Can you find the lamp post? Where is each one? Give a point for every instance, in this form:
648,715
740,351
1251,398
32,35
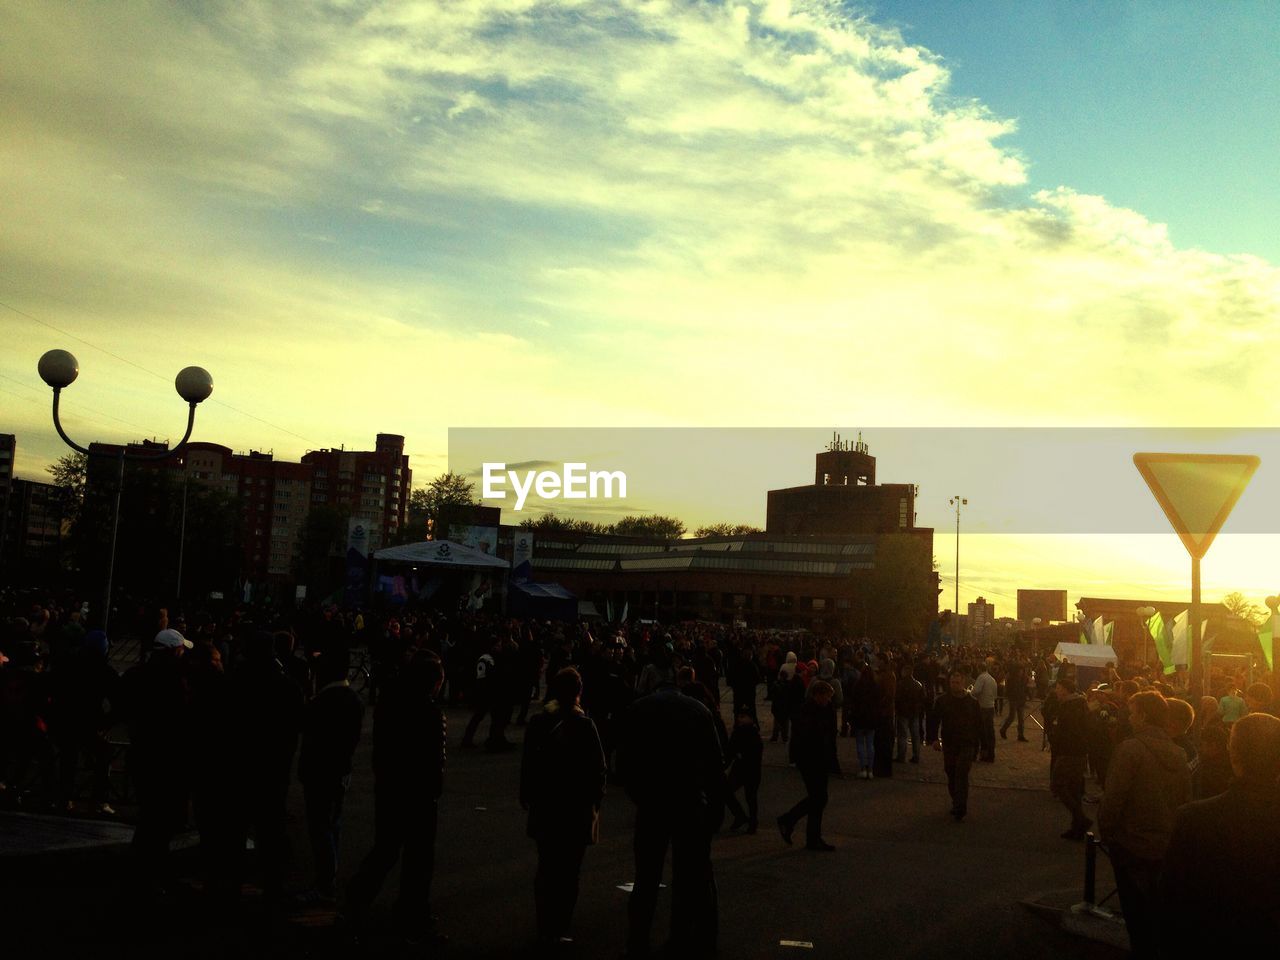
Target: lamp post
958,502
59,370
1144,615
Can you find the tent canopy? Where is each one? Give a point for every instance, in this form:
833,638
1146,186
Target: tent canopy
1086,654
441,553
542,600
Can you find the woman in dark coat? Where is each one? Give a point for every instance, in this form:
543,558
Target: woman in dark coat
562,779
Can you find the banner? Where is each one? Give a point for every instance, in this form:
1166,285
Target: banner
522,556
357,557
484,539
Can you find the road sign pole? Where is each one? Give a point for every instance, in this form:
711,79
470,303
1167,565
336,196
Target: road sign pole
1199,680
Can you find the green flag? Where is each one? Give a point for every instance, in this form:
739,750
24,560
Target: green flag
1264,637
1164,645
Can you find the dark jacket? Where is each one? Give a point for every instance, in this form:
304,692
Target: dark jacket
1221,864
813,738
408,740
910,697
562,774
669,755
959,723
1069,728
330,731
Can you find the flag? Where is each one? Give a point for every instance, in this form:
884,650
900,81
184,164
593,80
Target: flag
1160,635
1181,648
1264,638
1108,632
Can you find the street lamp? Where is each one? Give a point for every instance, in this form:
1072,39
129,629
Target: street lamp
1145,614
59,370
958,502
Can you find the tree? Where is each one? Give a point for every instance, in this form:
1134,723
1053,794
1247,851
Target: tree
726,530
899,592
428,504
1246,610
324,535
69,472
550,523
654,525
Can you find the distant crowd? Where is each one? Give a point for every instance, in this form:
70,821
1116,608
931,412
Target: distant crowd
218,715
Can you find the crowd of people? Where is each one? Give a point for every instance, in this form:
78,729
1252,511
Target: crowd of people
223,712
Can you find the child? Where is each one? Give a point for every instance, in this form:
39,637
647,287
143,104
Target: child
745,751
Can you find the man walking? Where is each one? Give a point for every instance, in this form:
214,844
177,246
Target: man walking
1015,689
959,724
814,743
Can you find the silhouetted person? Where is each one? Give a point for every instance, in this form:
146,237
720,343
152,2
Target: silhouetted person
266,718
562,779
213,792
670,763
960,728
155,696
408,772
1069,742
813,741
82,683
330,731
1220,886
746,754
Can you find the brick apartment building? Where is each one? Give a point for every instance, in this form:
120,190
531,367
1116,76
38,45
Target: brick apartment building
275,496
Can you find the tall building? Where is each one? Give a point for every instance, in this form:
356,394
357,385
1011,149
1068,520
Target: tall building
275,496
981,616
373,484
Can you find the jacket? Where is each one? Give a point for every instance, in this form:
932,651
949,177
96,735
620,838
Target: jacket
1147,780
959,723
1069,727
562,774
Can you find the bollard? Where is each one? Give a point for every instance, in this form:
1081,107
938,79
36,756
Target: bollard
1090,868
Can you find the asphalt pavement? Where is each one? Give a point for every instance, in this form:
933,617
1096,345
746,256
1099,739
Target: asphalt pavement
905,880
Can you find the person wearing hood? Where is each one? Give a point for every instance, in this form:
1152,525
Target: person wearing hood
562,782
1147,781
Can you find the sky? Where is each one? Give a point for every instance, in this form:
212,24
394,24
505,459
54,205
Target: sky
368,217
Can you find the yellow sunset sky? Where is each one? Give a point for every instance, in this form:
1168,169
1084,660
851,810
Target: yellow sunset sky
407,217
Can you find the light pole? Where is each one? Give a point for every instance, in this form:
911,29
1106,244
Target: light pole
1145,614
958,502
59,370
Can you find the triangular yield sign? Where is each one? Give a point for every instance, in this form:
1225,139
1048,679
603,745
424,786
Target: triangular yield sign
1197,491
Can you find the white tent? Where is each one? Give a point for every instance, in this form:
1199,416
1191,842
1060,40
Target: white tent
1085,654
441,553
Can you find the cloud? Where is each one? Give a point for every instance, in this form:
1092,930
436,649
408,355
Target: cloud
637,213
